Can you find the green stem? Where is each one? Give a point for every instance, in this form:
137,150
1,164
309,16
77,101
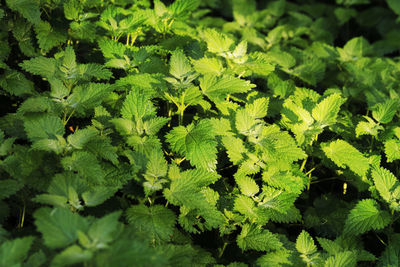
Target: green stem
222,249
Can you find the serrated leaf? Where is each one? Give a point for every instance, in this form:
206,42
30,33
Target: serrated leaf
234,148
258,109
29,9
14,252
217,42
275,259
48,37
45,67
85,164
345,155
384,112
9,187
217,88
385,182
326,111
196,142
257,239
136,106
305,244
44,127
156,221
392,150
179,64
369,127
391,255
246,206
247,185
345,258
59,226
365,216
98,195
207,65
81,137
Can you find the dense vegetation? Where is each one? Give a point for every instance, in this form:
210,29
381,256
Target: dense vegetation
199,133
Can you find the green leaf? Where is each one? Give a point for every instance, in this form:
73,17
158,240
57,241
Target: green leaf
257,239
48,37
345,258
385,182
208,65
258,109
14,252
87,97
196,142
275,259
369,127
9,187
217,42
355,49
246,206
247,185
394,5
15,83
45,67
219,88
81,137
235,148
157,221
384,112
97,195
326,111
345,155
44,127
59,226
104,230
391,256
392,150
71,255
305,244
29,9
365,216
136,106
85,164
179,64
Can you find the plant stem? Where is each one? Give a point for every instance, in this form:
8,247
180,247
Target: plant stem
222,249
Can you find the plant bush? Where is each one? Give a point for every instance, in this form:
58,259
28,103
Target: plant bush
199,133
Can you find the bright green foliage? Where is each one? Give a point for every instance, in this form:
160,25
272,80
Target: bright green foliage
306,247
257,239
199,133
196,142
346,258
365,216
345,155
157,221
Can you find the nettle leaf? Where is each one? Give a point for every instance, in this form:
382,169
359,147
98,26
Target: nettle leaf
345,155
276,258
29,9
14,252
44,127
345,258
208,65
365,216
179,64
391,255
217,42
86,97
386,183
136,106
81,137
59,226
384,112
234,148
392,150
48,37
217,88
305,244
105,230
86,164
43,66
156,222
196,142
326,111
247,185
258,239
9,187
369,127
72,255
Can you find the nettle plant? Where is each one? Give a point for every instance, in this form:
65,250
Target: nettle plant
199,133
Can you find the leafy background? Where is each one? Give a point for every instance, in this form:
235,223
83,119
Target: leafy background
195,133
